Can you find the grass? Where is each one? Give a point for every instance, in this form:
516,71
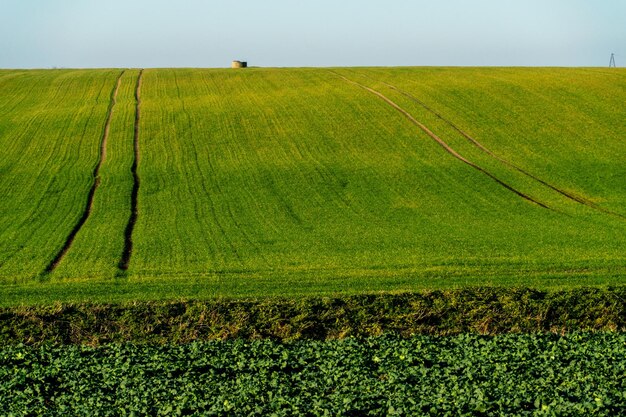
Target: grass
268,182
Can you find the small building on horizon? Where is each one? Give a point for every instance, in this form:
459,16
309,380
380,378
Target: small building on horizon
239,64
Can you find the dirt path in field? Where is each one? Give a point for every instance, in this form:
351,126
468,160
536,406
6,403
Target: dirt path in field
442,143
96,181
130,226
476,143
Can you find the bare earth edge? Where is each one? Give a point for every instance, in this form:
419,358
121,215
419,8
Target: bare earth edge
486,310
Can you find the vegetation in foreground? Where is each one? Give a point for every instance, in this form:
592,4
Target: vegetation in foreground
579,374
302,180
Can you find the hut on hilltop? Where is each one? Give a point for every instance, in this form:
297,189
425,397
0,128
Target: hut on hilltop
239,64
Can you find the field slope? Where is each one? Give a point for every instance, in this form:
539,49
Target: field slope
308,181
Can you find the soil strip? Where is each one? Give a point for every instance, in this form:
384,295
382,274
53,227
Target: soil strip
96,182
478,310
130,226
443,144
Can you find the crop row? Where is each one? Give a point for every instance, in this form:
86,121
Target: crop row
579,374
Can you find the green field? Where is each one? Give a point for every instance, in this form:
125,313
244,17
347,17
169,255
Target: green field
309,181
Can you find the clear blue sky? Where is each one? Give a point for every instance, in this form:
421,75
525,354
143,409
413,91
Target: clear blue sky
210,33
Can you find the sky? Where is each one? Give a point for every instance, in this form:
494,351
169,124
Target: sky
294,33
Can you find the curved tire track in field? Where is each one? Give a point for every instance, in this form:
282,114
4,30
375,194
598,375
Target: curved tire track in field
443,144
473,141
130,226
96,182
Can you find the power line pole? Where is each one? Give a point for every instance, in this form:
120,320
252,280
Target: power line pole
612,61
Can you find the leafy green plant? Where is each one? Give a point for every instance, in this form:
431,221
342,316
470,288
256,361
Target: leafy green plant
579,374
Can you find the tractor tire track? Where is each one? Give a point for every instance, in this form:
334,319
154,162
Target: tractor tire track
476,143
96,181
130,226
443,144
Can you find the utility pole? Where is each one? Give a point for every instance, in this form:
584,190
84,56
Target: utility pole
612,61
